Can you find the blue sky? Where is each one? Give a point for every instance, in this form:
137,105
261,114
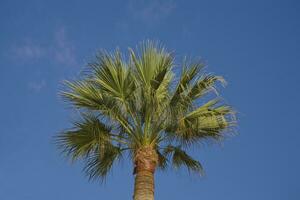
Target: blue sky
254,44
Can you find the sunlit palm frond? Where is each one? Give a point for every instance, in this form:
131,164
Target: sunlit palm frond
98,165
153,76
112,75
152,72
208,121
180,158
86,94
190,71
152,64
92,141
86,135
82,94
204,85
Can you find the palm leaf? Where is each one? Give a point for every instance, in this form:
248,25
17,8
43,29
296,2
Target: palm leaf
98,165
180,158
86,135
188,74
204,85
112,75
85,94
208,121
151,66
162,160
82,94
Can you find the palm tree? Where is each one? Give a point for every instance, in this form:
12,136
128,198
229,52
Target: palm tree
137,107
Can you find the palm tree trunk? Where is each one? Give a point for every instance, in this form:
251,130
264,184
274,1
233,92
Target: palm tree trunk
144,185
145,162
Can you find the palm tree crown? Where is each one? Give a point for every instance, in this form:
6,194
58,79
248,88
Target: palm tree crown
136,105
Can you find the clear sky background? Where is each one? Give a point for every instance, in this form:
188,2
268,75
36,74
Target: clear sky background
254,44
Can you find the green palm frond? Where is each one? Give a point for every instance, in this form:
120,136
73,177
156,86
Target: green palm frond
190,71
208,121
92,141
82,94
111,74
180,158
85,94
162,160
204,85
152,64
98,165
87,135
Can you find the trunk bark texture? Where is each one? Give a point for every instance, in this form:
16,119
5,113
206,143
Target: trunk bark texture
145,163
144,186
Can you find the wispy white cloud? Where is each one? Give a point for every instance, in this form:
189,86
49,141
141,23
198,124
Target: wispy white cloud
61,50
28,51
151,12
64,51
36,86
